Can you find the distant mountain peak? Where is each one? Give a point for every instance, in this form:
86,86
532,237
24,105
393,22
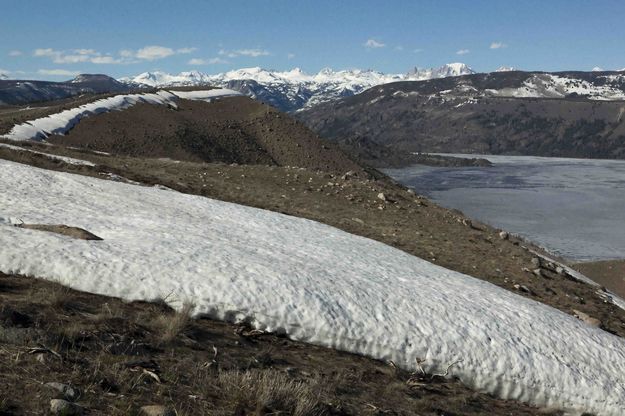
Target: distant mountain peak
505,69
454,69
295,89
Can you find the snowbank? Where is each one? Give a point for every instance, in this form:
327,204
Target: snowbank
64,121
314,282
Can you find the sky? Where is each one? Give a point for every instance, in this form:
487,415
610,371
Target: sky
44,39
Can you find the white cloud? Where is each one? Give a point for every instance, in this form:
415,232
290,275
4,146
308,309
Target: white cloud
212,61
372,43
290,56
399,48
462,52
58,72
498,45
15,53
154,52
186,50
125,56
417,50
254,53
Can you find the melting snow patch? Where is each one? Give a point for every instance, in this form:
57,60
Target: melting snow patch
64,121
314,282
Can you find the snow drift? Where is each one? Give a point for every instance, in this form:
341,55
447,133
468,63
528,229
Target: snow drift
64,121
314,282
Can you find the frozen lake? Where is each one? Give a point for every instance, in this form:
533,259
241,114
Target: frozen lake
573,207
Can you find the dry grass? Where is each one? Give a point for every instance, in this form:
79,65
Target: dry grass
172,325
271,392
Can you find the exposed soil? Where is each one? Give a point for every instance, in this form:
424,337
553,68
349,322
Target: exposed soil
73,232
610,273
120,356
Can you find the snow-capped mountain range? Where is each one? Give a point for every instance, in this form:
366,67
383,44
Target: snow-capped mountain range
295,89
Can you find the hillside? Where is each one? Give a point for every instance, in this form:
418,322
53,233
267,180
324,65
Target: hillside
568,114
260,261
17,92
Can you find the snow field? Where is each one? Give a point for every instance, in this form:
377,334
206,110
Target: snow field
314,282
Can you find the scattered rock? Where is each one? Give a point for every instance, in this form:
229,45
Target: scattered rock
11,317
560,270
65,408
348,175
504,235
538,272
535,262
524,289
382,197
587,318
68,392
156,410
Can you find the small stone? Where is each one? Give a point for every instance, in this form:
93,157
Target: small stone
382,196
68,392
65,408
504,235
587,318
156,410
538,272
560,270
348,175
535,262
523,288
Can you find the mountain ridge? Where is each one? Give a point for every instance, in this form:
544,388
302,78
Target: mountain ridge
294,89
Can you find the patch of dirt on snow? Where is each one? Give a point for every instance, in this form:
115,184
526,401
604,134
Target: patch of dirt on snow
73,232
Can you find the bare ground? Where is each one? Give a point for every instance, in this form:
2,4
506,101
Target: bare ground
609,273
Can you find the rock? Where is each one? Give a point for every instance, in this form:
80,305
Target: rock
523,288
348,175
382,196
65,408
560,270
535,262
538,272
156,410
68,392
11,317
587,318
503,235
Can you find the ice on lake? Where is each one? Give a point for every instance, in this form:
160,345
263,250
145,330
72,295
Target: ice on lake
573,207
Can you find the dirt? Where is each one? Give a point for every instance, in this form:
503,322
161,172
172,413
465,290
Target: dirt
73,232
114,355
609,273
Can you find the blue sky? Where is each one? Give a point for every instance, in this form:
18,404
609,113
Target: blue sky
44,39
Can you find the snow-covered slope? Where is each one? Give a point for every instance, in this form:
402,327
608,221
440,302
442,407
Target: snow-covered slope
295,89
449,70
314,282
64,121
604,87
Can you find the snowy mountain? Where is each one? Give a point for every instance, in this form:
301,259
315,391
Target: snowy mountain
505,69
294,90
448,70
3,76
